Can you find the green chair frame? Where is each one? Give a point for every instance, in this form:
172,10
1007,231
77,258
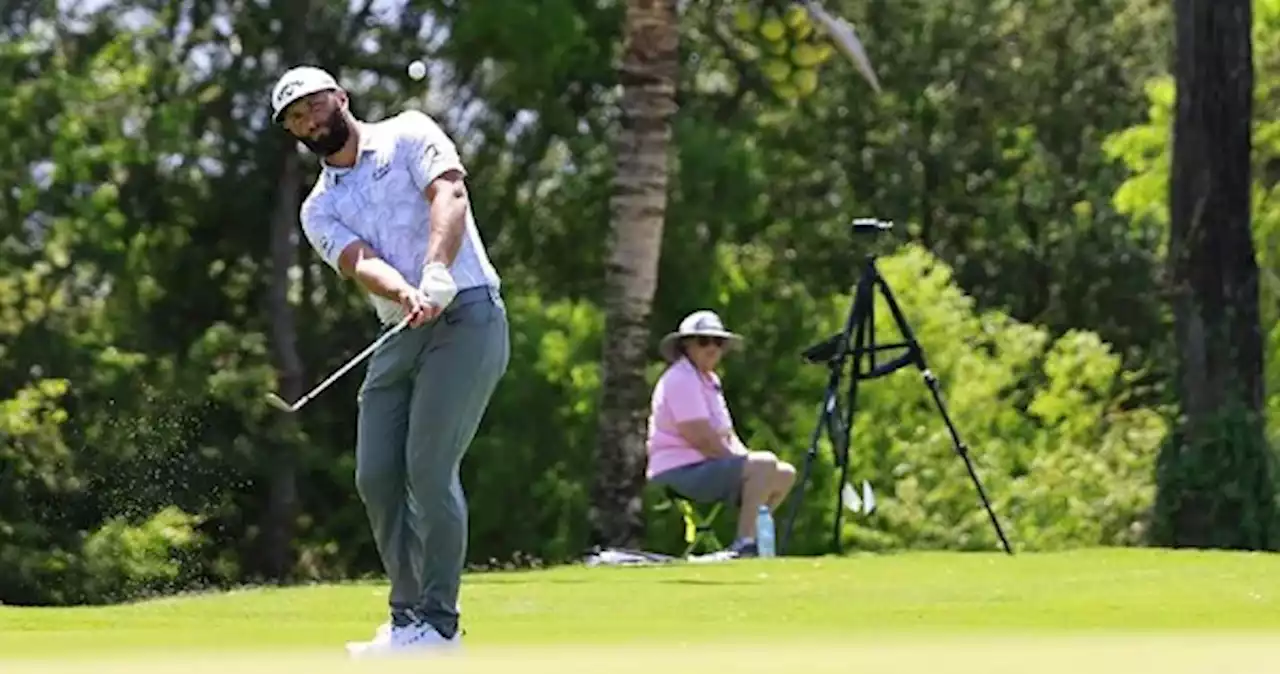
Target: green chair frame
699,522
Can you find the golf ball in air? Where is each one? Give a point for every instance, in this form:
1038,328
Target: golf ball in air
417,70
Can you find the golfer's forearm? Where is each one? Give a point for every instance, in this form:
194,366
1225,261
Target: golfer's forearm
371,272
380,278
448,219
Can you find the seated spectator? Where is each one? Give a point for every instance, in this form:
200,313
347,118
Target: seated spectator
692,445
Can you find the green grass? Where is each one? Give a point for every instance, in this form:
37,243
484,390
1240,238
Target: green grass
904,603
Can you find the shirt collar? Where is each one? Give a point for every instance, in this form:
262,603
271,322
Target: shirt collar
371,139
708,380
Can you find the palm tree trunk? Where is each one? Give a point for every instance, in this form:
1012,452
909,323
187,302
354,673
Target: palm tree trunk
648,77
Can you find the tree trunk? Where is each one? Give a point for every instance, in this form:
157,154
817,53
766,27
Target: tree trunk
1215,485
282,487
648,77
275,546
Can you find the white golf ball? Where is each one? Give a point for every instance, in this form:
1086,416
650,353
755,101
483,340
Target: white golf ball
417,70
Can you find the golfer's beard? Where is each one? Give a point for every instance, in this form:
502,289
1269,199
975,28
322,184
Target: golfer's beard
333,140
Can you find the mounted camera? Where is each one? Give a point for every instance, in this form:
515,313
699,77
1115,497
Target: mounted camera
870,226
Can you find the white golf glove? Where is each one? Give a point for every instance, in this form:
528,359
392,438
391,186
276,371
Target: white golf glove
438,285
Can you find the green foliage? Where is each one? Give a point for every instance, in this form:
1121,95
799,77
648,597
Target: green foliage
44,561
985,146
124,561
529,469
1218,480
38,476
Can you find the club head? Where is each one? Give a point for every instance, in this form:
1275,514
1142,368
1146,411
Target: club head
279,403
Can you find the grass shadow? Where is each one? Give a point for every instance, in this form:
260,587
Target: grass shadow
482,579
704,581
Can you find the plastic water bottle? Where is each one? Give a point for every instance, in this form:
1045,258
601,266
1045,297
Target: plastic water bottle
764,533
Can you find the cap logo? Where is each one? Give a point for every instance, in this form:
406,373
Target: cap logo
287,90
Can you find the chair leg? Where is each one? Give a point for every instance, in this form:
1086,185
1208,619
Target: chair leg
699,528
708,529
692,527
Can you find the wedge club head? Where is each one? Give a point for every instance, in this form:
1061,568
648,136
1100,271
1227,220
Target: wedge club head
279,403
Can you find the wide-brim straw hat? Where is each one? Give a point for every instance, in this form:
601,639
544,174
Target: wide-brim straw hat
701,323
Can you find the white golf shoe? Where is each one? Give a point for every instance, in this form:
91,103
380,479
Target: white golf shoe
389,640
405,641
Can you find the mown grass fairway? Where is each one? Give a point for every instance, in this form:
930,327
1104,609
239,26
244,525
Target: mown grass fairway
1098,610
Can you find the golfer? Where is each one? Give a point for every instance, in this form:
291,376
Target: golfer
390,211
692,445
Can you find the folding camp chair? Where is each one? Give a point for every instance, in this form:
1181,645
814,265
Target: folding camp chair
699,522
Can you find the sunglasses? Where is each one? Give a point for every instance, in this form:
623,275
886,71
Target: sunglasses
703,340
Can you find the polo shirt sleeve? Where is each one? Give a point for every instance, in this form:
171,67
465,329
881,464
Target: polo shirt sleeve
683,395
324,232
430,151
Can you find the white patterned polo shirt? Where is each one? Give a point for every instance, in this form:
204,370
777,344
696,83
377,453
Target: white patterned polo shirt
381,200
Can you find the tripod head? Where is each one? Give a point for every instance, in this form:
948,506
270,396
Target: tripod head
871,231
832,350
870,226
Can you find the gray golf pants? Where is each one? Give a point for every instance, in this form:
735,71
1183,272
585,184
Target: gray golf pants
423,396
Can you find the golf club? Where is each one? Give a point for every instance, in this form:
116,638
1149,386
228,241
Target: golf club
276,401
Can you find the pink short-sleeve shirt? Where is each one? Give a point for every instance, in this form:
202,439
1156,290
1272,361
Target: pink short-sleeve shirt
683,394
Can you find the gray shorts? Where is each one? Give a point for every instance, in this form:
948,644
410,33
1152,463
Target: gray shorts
707,481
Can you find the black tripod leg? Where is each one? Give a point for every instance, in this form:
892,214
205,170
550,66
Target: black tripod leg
863,342
830,414
828,408
931,382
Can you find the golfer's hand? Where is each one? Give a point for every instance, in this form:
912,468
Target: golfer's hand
438,287
414,304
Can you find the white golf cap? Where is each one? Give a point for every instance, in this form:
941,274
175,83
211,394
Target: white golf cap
296,83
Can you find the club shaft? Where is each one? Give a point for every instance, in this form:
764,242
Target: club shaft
352,363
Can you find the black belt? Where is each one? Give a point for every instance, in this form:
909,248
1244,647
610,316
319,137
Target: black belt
474,294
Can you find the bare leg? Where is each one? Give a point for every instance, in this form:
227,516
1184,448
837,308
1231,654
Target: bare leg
784,477
758,483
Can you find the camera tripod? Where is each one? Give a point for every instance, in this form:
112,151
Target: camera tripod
834,351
